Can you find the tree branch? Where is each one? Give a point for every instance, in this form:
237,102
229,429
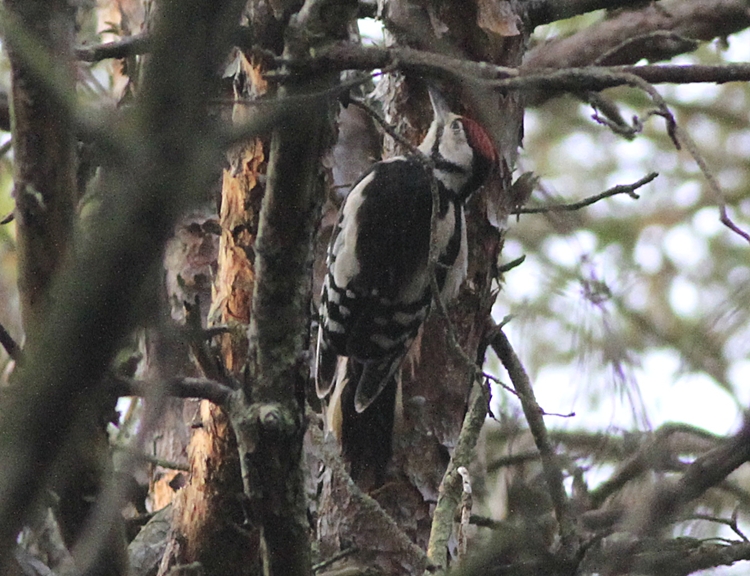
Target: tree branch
268,418
180,387
628,189
552,473
706,472
690,19
529,77
541,12
129,46
449,495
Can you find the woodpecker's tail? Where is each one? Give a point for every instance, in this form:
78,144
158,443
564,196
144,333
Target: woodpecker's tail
372,378
367,436
325,366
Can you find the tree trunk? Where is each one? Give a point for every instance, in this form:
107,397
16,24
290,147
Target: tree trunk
436,380
46,195
209,524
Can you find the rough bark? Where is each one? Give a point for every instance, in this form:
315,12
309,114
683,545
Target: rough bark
46,195
207,512
269,415
44,150
93,303
436,380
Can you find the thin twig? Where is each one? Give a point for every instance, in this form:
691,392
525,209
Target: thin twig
489,377
387,128
552,472
508,266
730,522
628,189
335,558
713,184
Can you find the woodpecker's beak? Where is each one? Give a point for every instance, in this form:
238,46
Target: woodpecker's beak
439,106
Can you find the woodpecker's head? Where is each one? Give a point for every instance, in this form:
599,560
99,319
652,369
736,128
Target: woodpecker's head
461,149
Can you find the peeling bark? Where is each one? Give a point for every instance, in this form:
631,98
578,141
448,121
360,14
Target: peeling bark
93,304
207,511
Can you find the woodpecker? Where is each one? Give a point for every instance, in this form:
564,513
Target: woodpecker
377,292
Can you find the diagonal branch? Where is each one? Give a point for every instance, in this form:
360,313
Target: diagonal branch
93,303
534,416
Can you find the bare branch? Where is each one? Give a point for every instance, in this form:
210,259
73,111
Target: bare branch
552,473
701,20
546,11
451,487
706,472
628,189
689,74
730,522
653,454
130,46
355,57
529,77
713,183
177,387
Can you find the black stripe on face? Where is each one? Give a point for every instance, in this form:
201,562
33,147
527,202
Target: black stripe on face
445,166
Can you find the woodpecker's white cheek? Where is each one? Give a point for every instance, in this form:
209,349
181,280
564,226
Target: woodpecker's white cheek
344,250
455,148
429,139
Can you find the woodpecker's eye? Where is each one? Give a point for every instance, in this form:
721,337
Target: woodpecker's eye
456,126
